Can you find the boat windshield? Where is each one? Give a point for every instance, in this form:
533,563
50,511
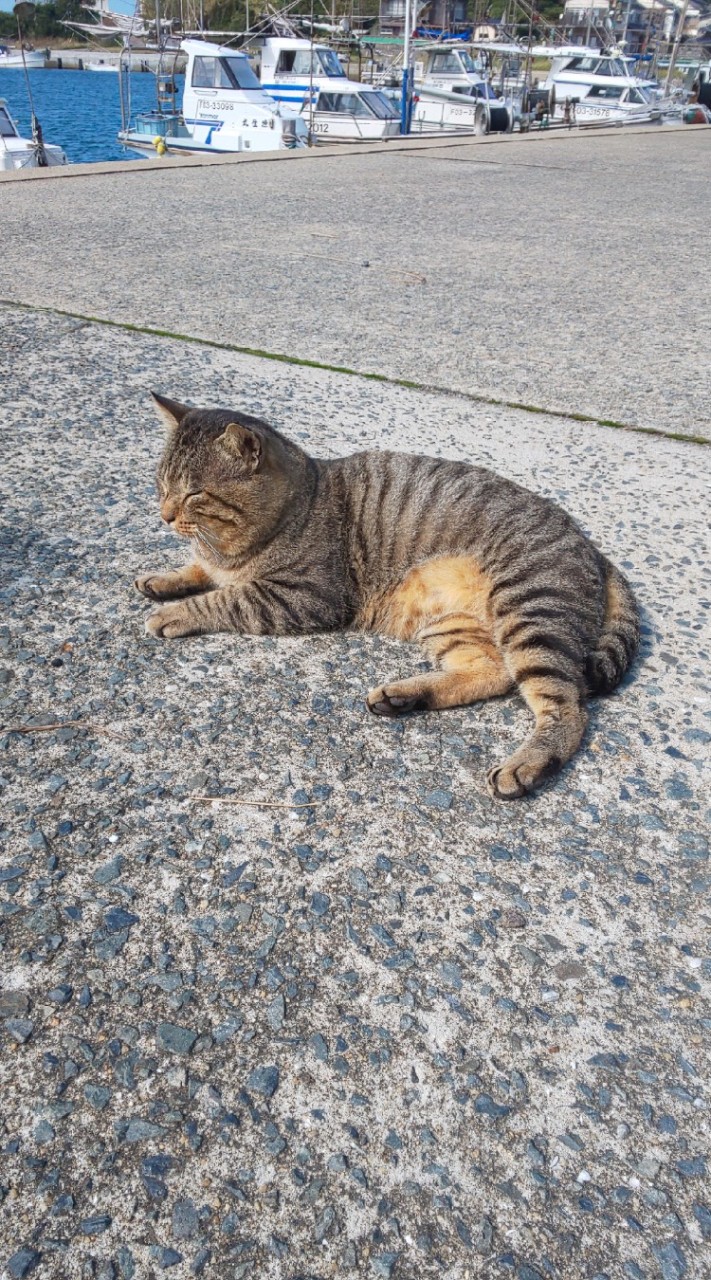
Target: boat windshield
330,62
467,61
7,129
241,72
346,104
380,105
598,66
223,73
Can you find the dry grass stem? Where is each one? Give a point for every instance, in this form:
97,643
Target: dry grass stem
257,804
65,724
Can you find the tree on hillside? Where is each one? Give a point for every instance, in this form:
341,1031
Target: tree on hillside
46,21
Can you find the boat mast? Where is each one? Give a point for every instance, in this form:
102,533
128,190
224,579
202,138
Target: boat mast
675,49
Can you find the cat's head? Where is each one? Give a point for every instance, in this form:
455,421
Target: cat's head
226,480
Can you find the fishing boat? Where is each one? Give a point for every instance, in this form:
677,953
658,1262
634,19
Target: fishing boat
224,109
17,152
600,88
310,79
453,94
17,59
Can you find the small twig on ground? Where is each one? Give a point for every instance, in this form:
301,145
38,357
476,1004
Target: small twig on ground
257,804
65,724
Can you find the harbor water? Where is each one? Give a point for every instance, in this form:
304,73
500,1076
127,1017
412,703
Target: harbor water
78,110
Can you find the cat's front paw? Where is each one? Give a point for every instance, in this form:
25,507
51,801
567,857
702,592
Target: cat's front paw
170,621
144,586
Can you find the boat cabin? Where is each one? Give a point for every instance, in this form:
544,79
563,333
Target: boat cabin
310,79
447,67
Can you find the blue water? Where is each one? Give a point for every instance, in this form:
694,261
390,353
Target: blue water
79,110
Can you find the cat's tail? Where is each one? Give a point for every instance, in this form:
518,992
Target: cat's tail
618,641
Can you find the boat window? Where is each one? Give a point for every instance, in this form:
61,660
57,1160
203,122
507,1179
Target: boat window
446,64
344,103
330,62
297,62
6,126
582,64
208,74
605,91
241,72
380,105
639,98
467,61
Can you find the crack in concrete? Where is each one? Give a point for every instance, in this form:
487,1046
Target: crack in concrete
501,402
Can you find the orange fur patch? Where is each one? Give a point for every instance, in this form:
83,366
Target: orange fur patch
451,588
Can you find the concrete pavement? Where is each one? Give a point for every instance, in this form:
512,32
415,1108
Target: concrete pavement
369,1023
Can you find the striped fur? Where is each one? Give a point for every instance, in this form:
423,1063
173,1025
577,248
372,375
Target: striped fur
499,586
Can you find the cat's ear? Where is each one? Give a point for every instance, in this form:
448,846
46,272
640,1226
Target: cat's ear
242,442
170,412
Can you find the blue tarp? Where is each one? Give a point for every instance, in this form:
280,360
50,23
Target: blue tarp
437,33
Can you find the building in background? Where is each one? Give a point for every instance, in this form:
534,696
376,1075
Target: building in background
435,15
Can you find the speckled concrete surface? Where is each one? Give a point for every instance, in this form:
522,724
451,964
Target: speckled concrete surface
566,272
404,1032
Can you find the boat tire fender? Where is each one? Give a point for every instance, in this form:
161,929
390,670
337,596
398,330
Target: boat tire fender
499,119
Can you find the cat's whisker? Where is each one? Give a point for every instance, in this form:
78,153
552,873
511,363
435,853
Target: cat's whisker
202,538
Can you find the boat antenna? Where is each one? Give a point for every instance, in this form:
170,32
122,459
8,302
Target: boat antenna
24,11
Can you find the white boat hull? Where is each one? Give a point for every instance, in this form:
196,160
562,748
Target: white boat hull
187,142
19,153
597,112
327,127
438,110
13,61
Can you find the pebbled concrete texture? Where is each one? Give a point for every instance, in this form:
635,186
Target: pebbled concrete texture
565,272
389,1029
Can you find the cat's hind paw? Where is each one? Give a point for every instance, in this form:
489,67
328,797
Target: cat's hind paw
517,778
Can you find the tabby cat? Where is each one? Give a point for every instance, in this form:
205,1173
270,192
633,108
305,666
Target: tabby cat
498,585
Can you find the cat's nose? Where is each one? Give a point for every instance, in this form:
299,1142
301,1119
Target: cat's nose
169,510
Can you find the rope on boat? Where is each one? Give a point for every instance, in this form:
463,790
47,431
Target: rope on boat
37,140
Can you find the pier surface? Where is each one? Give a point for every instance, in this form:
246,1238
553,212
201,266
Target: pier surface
359,1020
